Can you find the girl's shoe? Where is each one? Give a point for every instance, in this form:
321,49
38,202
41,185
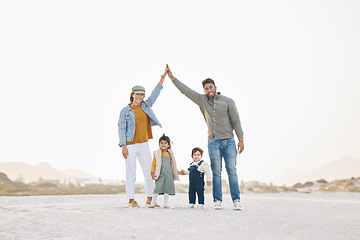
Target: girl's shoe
134,204
191,205
148,204
165,206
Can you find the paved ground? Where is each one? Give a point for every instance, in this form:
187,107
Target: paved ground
264,216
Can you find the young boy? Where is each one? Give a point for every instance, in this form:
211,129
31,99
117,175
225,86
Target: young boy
196,173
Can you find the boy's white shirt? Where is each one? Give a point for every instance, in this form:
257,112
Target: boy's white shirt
204,168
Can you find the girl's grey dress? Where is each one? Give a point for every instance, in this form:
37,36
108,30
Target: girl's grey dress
165,182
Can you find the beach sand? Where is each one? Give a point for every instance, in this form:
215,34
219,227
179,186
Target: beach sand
263,216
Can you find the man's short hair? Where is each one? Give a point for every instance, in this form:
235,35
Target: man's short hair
208,80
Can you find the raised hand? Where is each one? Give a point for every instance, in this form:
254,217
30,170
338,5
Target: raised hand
171,76
166,71
164,75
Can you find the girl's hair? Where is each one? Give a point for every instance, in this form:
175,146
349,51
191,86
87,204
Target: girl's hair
197,149
131,97
165,138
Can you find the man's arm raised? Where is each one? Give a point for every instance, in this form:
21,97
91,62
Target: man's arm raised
188,92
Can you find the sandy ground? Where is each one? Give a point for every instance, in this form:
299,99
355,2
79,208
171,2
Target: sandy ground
264,216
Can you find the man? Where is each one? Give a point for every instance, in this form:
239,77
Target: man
222,118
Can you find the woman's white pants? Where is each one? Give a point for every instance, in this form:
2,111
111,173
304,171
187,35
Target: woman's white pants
140,151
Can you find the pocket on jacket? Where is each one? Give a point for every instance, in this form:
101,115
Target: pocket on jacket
128,121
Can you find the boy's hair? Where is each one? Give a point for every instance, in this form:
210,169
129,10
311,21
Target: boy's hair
197,149
165,138
208,80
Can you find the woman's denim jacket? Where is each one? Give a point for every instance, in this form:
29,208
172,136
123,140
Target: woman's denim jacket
126,124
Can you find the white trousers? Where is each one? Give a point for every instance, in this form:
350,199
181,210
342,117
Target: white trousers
140,151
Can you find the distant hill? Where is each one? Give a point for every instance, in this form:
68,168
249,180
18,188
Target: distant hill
343,168
4,180
29,173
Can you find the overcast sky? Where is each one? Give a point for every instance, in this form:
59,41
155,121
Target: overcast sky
292,67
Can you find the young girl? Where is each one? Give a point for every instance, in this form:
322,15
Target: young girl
196,173
164,171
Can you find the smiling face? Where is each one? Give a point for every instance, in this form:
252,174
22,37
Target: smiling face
196,156
210,90
137,98
164,145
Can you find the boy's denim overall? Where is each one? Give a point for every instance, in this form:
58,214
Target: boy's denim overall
196,184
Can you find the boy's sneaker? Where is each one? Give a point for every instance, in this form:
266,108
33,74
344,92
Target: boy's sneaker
191,205
200,206
166,206
217,205
237,205
134,204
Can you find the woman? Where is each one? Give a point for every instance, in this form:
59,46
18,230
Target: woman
134,126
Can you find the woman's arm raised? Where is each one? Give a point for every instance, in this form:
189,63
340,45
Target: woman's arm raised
164,75
155,93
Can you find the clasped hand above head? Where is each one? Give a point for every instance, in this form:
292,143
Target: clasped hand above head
167,72
171,76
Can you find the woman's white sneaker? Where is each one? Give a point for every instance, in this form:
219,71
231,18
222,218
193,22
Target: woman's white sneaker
237,205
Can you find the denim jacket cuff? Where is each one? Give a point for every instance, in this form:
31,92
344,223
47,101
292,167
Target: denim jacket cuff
160,86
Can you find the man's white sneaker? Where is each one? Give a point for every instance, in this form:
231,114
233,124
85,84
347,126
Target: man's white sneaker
218,205
190,205
237,205
200,206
